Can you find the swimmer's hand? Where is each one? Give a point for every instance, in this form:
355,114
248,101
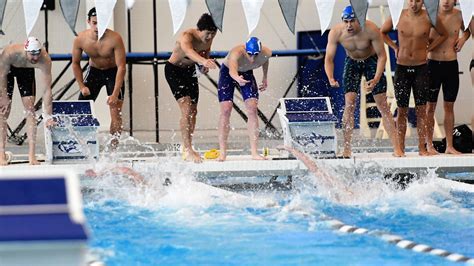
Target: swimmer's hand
50,123
240,79
264,85
203,69
371,85
209,63
459,44
396,50
48,120
85,91
333,83
112,99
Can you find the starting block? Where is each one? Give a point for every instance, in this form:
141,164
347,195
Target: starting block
308,125
75,135
41,219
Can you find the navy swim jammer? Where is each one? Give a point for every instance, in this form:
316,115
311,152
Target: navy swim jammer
353,71
226,86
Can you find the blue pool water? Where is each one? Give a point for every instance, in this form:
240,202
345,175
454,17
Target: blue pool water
187,224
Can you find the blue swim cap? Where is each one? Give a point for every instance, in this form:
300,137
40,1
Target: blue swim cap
253,46
348,13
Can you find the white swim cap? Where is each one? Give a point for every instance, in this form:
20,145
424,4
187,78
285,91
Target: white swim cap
33,45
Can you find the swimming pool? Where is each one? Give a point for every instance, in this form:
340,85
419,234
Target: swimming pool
190,223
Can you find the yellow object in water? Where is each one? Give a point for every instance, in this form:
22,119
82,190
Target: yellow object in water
211,154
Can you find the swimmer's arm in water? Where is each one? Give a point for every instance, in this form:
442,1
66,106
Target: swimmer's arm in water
132,174
329,180
310,164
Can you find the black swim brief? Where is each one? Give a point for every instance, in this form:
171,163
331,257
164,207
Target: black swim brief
25,78
182,81
408,77
446,74
353,71
96,78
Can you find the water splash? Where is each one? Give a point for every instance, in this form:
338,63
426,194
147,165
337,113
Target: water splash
186,215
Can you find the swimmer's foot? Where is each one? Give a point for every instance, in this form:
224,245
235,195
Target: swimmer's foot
424,153
398,153
192,156
258,157
422,150
3,159
347,154
431,150
342,156
452,150
222,156
33,161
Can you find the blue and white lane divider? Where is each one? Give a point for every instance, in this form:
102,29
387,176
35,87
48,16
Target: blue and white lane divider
399,242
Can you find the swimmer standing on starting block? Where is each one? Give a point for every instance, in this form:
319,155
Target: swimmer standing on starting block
192,47
365,56
106,68
444,70
412,69
237,70
19,61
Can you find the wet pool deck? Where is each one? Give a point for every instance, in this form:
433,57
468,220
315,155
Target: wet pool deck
282,165
371,155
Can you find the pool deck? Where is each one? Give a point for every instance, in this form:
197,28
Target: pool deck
442,164
241,165
280,164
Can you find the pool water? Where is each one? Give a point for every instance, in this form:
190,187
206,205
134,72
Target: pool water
192,223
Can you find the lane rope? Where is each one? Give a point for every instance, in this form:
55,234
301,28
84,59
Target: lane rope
400,242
